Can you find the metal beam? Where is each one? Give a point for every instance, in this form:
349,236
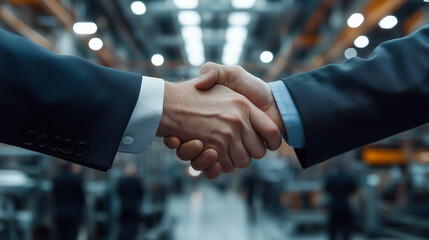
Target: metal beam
67,18
293,44
373,12
22,28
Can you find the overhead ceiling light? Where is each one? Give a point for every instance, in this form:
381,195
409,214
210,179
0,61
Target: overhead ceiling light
243,3
189,18
157,60
196,59
350,53
192,33
236,35
388,22
85,28
355,20
266,57
138,8
95,44
239,19
231,54
186,4
425,0
361,41
192,172
195,52
194,48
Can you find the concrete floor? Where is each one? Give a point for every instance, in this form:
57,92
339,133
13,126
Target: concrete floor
211,215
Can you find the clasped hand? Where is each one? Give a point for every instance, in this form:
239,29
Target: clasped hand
220,120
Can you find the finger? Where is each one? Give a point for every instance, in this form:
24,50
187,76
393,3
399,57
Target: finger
239,155
172,142
253,142
225,161
213,171
268,130
205,159
190,150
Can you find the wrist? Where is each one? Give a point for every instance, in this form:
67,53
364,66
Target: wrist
277,117
166,120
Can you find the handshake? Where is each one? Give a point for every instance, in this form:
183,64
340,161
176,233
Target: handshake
221,119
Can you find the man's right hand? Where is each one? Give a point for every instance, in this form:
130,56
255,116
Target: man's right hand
237,79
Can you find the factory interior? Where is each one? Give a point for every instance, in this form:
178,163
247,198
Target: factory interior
274,198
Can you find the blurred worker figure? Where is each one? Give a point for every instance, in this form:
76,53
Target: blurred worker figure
249,185
339,186
130,192
69,201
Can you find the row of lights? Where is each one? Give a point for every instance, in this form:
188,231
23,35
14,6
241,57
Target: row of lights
356,20
139,8
235,34
192,4
89,28
192,34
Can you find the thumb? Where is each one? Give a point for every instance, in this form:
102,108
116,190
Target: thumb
209,76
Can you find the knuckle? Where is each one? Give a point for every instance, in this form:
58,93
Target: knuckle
207,66
226,134
244,163
272,131
260,153
241,102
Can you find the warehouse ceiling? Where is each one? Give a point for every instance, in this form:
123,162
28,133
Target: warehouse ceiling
172,38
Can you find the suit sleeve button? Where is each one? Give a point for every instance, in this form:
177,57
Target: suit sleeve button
30,138
67,146
54,143
43,140
82,149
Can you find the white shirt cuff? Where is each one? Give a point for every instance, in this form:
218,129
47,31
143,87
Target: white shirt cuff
144,121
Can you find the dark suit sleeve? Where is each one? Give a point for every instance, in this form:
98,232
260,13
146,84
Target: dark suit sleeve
62,106
345,106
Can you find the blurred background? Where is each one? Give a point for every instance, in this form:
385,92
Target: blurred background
380,191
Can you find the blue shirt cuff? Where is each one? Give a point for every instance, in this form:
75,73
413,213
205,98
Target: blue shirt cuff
291,118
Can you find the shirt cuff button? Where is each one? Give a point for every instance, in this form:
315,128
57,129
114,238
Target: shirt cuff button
128,140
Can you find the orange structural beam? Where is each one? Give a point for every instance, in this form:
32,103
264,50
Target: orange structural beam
383,156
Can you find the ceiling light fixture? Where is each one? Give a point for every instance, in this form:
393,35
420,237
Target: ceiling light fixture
186,4
239,19
157,60
85,28
361,41
138,8
355,20
95,44
388,22
243,3
266,57
189,18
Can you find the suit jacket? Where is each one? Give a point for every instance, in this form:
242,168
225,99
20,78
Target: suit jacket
344,106
61,105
